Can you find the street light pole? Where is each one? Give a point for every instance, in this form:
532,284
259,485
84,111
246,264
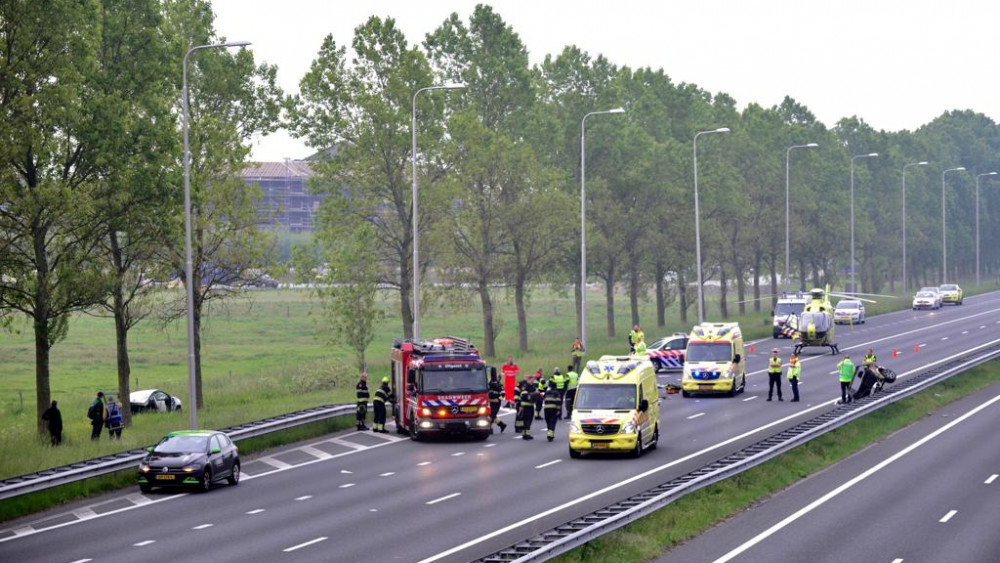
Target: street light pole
944,237
788,207
188,262
978,176
697,221
583,220
416,240
854,285
905,166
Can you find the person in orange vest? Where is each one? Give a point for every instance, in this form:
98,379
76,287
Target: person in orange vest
510,373
577,352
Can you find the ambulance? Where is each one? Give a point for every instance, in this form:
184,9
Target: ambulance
617,407
714,360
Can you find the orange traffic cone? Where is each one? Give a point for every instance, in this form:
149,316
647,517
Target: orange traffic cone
895,353
753,349
916,347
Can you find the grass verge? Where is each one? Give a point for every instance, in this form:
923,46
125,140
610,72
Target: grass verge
695,513
42,500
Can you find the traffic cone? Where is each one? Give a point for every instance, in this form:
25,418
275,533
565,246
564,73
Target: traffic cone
895,353
753,349
916,347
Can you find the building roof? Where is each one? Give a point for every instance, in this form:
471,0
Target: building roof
286,169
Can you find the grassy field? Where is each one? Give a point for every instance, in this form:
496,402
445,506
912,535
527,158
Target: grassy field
265,355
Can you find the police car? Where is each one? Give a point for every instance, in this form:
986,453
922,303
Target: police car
668,353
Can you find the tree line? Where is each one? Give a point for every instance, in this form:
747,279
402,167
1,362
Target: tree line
499,164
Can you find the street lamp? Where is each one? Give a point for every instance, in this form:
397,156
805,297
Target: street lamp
944,237
854,285
188,263
416,240
905,166
787,205
697,221
583,221
978,176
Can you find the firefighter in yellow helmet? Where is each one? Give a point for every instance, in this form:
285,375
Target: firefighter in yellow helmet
382,395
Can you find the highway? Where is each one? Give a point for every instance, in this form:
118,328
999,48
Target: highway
928,493
363,497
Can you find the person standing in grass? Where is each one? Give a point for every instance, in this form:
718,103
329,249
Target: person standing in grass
96,415
54,419
577,352
113,419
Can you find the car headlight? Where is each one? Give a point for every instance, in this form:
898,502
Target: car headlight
728,374
574,427
192,468
144,468
629,428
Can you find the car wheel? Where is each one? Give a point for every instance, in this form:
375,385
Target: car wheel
234,479
685,394
575,454
414,434
656,437
145,488
206,481
637,450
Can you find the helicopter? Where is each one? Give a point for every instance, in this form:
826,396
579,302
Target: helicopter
815,326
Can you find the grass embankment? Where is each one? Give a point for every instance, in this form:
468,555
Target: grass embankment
695,513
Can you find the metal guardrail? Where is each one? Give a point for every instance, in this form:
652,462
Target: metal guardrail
81,470
573,534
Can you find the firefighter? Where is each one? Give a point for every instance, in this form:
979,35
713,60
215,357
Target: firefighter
553,409
794,376
571,380
560,388
519,414
541,384
773,375
527,405
510,373
577,352
496,393
635,337
361,390
382,395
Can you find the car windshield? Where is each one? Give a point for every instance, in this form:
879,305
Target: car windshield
615,396
784,309
709,352
949,288
925,294
929,289
848,305
454,380
182,445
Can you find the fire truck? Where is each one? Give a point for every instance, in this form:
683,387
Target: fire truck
445,384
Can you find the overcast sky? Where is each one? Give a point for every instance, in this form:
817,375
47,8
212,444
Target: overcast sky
896,64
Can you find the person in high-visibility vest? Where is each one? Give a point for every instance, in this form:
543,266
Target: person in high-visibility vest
870,361
846,370
635,337
361,397
553,409
382,395
577,352
773,375
510,373
560,387
794,374
496,392
539,395
571,380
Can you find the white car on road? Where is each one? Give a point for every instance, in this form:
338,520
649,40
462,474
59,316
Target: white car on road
849,311
926,300
938,296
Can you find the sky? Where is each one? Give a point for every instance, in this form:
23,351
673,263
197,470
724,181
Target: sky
896,64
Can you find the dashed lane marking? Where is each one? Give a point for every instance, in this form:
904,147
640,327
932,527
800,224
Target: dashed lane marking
456,454
965,332
203,526
444,498
897,560
82,561
991,478
489,445
423,463
948,516
390,473
346,486
750,398
943,338
547,464
304,497
301,545
695,415
255,511
346,472
144,543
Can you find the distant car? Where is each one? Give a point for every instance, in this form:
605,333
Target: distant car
937,294
153,400
926,300
190,458
668,353
849,311
951,293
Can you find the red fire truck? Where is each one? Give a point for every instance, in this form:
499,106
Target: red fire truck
446,388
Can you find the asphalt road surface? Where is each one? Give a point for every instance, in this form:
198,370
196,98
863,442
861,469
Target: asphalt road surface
929,493
364,497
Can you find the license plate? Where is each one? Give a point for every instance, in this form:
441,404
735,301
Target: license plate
165,477
599,445
470,409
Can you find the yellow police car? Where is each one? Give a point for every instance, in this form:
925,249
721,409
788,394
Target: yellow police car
951,293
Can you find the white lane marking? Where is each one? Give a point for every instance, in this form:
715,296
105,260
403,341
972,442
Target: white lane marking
387,474
301,545
834,372
871,471
547,464
82,560
315,452
444,498
750,398
456,454
897,560
203,526
948,516
965,332
991,479
423,463
922,344
480,454
276,463
489,445
943,338
348,444
982,326
24,531
304,497
85,513
144,543
685,459
372,510
346,486
138,499
696,415
255,511
346,472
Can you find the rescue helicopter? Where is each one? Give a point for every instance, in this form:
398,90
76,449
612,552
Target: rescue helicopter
814,327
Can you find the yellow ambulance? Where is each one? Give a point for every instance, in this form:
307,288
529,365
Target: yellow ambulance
714,360
617,407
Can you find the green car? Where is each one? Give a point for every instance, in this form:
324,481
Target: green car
951,293
190,458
